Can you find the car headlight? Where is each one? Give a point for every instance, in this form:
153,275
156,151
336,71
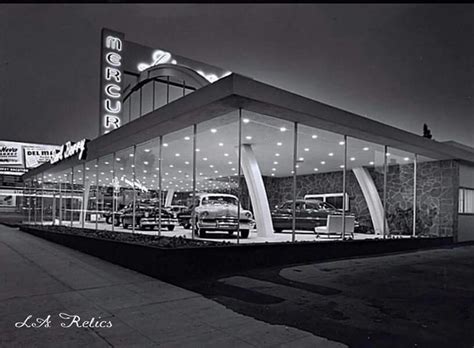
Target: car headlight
204,214
248,214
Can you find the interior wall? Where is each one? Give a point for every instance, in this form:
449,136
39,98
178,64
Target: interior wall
437,185
466,221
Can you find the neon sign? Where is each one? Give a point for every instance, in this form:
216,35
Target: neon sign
163,57
70,149
111,81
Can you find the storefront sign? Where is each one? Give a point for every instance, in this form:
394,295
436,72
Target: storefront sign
36,155
11,153
13,170
111,80
69,149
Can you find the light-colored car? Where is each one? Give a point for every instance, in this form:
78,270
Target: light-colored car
218,212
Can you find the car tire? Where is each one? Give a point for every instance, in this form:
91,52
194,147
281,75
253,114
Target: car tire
108,220
125,225
244,233
171,228
117,222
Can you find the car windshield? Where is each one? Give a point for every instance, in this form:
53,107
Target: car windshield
219,200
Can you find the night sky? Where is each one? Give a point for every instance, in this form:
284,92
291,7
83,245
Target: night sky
403,65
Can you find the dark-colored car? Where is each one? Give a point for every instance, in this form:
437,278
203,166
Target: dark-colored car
116,215
147,217
308,215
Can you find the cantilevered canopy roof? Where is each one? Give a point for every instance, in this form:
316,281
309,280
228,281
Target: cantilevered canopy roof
236,91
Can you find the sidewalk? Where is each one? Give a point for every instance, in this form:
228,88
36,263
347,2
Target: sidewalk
40,278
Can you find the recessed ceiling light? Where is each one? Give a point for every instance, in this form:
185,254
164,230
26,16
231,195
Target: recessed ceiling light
166,173
279,144
221,144
314,136
301,159
330,154
341,166
154,175
306,149
117,159
323,162
315,169
197,150
106,162
407,158
180,171
95,166
273,169
121,168
341,143
211,166
388,154
365,149
297,166
283,129
187,138
216,171
213,130
230,162
77,171
352,158
204,159
233,169
245,120
371,163
226,155
248,137
133,166
273,174
147,150
275,162
171,166
165,144
277,154
186,162
177,155
87,168
145,163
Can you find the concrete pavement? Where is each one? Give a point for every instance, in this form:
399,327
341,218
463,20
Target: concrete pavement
40,278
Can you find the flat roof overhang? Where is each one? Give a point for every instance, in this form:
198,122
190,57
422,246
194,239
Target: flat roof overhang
235,91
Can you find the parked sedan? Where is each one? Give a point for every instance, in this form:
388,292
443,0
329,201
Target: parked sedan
308,215
217,212
147,217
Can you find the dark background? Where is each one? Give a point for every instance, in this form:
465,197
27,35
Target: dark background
403,65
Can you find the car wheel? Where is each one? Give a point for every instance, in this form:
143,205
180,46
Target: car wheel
117,222
108,220
171,228
244,233
125,225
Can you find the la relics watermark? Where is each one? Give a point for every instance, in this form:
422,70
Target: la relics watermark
65,321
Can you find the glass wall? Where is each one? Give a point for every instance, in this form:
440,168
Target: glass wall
199,179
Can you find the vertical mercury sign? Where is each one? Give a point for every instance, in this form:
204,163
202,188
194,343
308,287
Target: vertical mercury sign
111,80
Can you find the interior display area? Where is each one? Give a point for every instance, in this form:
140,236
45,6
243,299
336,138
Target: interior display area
294,183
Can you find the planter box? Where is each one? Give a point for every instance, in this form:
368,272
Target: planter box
199,262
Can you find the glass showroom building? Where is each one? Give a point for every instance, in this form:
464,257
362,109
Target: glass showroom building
186,134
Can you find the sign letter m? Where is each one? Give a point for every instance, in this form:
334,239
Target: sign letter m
113,43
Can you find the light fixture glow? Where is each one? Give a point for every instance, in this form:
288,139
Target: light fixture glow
365,149
283,129
371,163
213,130
323,162
352,158
248,137
277,154
301,159
306,149
177,155
204,159
314,136
165,144
407,158
187,138
330,154
315,169
275,162
147,150
341,143
221,144
145,162
279,144
245,120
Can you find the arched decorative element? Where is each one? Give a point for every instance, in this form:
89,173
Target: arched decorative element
179,72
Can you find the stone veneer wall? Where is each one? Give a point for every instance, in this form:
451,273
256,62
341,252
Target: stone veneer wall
437,189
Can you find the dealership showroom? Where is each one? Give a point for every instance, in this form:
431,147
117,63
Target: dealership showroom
188,149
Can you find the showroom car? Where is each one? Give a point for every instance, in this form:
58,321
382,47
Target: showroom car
309,214
147,217
217,212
